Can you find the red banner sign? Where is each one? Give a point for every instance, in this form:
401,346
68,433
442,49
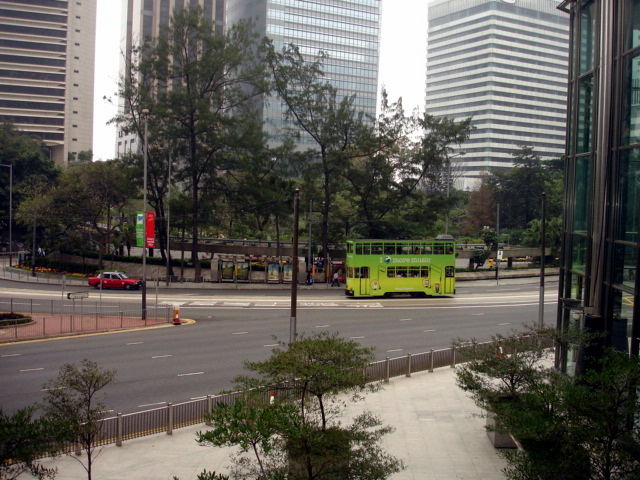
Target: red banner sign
151,225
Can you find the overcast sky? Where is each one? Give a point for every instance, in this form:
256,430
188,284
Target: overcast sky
402,62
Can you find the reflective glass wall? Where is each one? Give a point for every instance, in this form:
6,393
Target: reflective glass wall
599,284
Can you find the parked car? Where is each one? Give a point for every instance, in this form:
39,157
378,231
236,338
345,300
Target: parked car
115,280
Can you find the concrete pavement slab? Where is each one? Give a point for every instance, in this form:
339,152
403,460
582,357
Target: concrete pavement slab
438,435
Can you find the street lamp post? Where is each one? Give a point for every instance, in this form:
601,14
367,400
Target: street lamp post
10,167
294,260
145,114
168,281
459,154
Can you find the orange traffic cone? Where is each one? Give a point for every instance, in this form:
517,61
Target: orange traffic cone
176,316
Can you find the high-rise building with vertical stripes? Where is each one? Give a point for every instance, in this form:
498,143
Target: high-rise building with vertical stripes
348,31
47,51
504,63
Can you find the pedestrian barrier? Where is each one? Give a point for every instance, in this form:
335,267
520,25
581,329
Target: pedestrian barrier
63,317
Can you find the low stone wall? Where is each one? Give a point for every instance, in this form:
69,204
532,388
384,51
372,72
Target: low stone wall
504,273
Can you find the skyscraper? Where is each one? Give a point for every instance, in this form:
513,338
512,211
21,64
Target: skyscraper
599,280
47,51
347,30
143,19
504,63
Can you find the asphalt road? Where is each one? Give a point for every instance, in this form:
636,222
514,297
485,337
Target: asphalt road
177,364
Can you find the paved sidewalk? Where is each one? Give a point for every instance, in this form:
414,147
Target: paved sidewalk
437,434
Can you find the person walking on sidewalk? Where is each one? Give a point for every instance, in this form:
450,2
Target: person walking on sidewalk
336,280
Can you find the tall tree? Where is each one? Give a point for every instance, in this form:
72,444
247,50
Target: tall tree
30,163
198,86
519,190
314,107
481,209
386,181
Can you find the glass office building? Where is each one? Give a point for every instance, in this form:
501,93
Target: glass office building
347,30
504,63
599,265
47,51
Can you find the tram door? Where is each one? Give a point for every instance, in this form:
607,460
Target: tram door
365,281
449,280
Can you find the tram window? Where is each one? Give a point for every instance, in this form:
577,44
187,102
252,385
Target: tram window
426,250
449,248
405,249
376,249
449,271
424,271
350,272
414,272
364,272
359,249
366,249
416,249
389,249
391,272
438,249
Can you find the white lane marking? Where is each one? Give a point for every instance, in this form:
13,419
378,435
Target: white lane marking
271,345
135,343
356,338
152,404
394,350
432,330
503,324
239,333
477,314
322,326
162,356
51,389
189,374
32,369
405,319
10,355
236,304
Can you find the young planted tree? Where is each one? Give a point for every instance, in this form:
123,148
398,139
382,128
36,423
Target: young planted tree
299,434
23,440
73,402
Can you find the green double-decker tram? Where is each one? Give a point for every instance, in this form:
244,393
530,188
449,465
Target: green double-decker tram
376,268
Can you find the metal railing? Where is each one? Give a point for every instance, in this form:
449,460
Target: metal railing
64,317
173,416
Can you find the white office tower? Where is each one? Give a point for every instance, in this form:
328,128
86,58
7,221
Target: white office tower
47,51
504,63
347,30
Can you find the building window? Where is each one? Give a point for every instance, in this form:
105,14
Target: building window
581,185
631,100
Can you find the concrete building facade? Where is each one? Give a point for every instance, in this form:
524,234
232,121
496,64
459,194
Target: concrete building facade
504,63
47,52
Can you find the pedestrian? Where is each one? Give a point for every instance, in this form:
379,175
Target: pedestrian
336,280
309,278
